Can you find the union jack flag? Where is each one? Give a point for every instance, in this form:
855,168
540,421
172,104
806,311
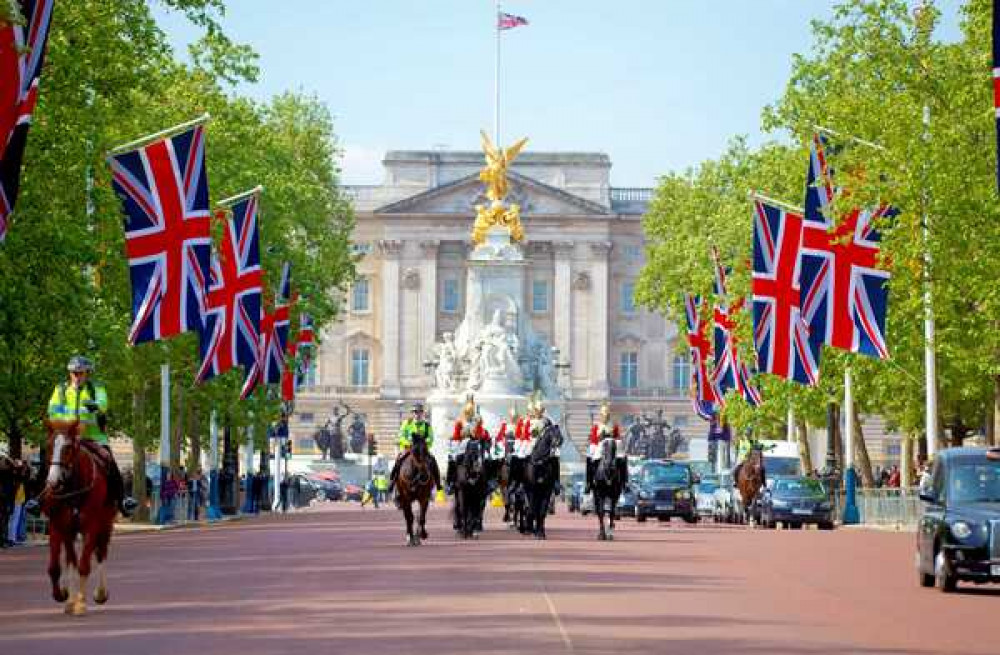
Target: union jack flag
844,293
232,318
22,52
702,393
730,371
781,336
507,21
164,191
270,361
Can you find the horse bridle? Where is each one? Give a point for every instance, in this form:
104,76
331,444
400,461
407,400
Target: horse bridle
49,491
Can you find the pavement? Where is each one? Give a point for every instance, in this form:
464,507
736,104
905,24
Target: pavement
339,580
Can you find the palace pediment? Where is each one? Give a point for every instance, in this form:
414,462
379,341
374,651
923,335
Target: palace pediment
462,196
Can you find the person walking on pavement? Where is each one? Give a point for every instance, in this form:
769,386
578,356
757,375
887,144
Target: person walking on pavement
86,401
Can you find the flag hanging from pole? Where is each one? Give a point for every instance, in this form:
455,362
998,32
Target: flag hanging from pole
730,372
507,21
996,80
233,307
844,289
22,53
781,336
163,187
702,393
270,360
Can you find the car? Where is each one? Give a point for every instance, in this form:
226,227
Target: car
330,489
353,491
704,494
301,490
958,536
628,501
666,490
795,501
725,503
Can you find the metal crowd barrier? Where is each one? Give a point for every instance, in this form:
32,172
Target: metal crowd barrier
900,507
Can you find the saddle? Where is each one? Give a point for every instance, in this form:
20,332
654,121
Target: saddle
100,454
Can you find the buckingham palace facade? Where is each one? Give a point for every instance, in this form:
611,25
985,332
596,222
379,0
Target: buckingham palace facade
584,245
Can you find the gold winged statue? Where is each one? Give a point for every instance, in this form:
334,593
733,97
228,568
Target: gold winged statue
494,176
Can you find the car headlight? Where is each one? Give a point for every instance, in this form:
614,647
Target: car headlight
780,504
684,494
825,506
961,530
644,495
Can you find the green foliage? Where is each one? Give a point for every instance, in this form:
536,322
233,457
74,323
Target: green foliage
872,70
110,77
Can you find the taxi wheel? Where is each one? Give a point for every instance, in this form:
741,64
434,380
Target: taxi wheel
944,579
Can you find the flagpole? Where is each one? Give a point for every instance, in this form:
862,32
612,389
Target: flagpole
164,515
232,200
930,357
828,131
756,195
150,138
496,81
851,514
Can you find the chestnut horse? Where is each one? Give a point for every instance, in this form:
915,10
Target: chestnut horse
749,480
76,500
414,484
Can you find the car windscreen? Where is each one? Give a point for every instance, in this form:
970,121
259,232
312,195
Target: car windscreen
665,474
974,481
706,487
802,487
782,466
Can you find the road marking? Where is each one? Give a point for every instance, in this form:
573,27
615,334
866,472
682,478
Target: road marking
555,617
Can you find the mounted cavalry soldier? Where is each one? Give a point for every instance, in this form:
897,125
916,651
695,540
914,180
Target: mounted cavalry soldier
604,428
468,427
86,401
415,426
536,425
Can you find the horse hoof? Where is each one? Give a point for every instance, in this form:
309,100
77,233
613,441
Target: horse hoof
600,536
424,535
100,596
611,537
60,595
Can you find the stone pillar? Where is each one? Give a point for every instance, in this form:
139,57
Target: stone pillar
561,297
428,298
600,316
390,317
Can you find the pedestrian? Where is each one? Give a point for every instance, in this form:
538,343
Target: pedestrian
196,494
894,480
283,488
168,495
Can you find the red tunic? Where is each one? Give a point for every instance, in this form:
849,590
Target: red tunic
595,439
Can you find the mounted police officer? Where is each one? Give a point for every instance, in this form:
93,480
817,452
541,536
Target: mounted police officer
86,401
744,446
415,426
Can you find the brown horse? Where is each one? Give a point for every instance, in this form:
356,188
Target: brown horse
414,484
750,480
76,500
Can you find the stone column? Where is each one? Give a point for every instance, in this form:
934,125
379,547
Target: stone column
561,297
390,317
600,316
428,298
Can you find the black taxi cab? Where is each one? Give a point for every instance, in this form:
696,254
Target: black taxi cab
958,538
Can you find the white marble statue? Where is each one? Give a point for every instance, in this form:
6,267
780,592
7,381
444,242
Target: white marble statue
447,368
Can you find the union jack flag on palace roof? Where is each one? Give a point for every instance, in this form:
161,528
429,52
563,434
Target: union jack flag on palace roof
730,371
273,340
844,292
702,393
781,336
163,187
22,53
232,319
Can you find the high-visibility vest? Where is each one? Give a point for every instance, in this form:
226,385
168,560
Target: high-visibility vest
411,428
69,403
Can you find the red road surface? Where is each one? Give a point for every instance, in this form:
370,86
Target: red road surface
341,581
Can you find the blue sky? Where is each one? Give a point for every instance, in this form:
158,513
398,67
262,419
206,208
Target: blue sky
659,85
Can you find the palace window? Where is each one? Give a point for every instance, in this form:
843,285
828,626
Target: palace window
628,298
682,372
628,370
449,297
633,252
360,296
360,364
539,296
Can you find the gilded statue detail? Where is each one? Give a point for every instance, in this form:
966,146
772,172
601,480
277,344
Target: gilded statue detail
494,176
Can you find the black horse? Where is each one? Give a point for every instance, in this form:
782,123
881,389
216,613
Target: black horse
542,475
607,487
470,489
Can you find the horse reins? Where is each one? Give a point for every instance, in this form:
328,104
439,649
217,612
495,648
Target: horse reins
48,494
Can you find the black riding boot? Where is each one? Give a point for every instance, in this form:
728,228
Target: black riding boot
395,473
116,487
435,471
450,477
555,470
590,475
623,472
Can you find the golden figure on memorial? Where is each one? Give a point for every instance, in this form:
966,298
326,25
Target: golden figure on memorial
494,176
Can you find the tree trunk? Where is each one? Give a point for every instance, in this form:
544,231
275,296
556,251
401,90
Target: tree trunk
838,441
139,453
802,434
906,460
177,436
16,440
194,442
861,459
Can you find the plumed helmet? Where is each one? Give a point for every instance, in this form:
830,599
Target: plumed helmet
469,409
606,411
80,364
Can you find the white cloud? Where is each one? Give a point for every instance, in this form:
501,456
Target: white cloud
361,165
